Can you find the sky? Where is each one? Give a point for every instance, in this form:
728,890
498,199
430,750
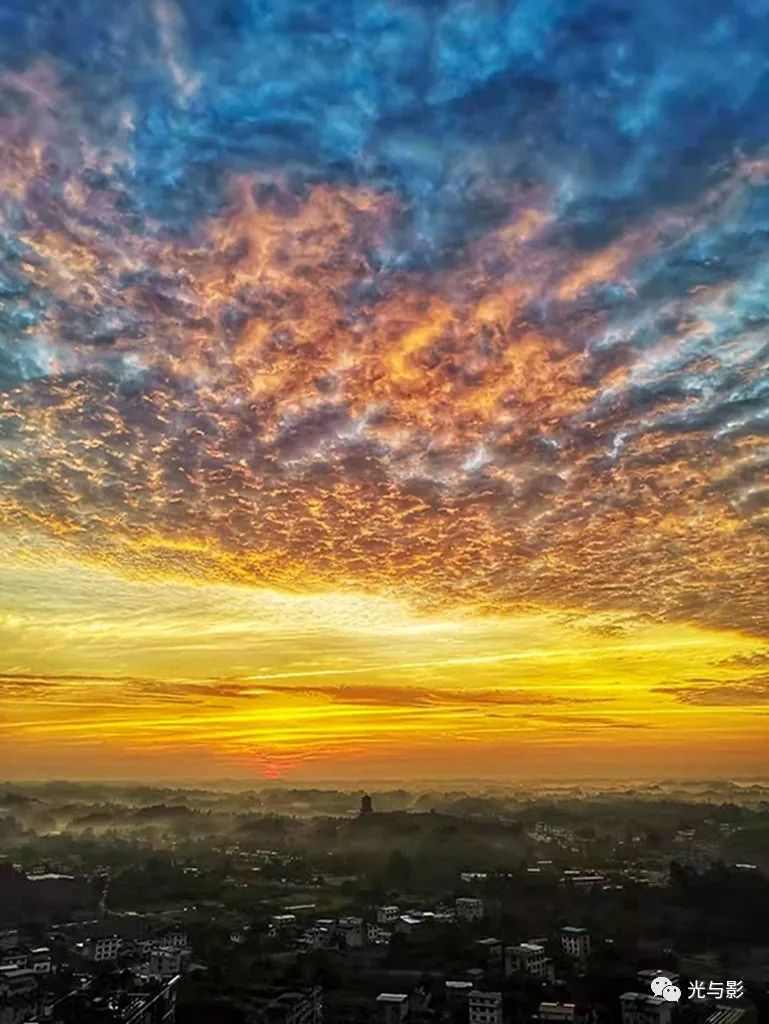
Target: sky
384,389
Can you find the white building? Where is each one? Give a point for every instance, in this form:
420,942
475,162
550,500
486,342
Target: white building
575,942
642,1008
528,958
387,915
485,1007
39,960
392,1007
407,923
169,940
166,962
469,908
102,949
280,921
177,940
458,988
556,1013
351,931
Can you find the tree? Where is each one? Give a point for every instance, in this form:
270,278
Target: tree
399,869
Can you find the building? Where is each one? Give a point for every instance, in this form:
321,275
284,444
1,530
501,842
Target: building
407,923
133,1001
283,920
388,914
732,1015
643,1008
167,940
587,881
490,951
485,1007
575,942
14,958
39,960
280,923
19,995
646,977
105,948
154,1007
166,962
469,908
392,1007
366,804
177,940
351,931
556,1013
320,935
376,935
529,958
297,1006
458,988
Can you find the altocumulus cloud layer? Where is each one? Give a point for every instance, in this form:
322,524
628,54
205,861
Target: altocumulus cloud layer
468,299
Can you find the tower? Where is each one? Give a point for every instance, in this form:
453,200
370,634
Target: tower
366,804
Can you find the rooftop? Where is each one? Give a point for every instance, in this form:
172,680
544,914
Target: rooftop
565,1010
641,997
727,1015
49,876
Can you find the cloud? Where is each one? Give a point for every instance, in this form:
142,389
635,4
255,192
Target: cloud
744,692
756,659
461,301
248,690
416,696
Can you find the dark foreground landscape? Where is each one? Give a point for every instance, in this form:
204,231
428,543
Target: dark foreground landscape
138,905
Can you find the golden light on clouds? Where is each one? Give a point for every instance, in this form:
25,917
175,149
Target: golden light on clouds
100,669
334,449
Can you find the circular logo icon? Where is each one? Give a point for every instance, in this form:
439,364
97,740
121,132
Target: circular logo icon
660,983
672,993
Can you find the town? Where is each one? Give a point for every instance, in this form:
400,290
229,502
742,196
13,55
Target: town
382,915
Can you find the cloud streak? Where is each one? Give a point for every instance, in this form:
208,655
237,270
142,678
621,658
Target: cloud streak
750,692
